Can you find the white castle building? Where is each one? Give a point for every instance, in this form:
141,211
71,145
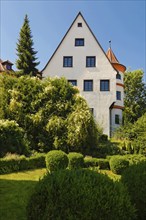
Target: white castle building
98,75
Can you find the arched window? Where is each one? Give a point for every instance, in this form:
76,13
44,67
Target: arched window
118,76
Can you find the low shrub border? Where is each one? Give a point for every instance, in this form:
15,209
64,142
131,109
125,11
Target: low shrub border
94,162
22,163
118,164
76,160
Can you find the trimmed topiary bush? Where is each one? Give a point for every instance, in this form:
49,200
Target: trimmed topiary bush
76,160
56,160
118,164
134,178
79,195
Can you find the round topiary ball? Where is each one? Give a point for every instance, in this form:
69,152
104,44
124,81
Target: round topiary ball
56,160
76,160
79,195
118,164
134,178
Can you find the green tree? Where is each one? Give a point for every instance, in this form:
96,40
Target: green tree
135,96
51,113
26,61
139,135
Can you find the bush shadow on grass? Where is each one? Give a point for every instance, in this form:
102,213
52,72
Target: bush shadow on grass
14,195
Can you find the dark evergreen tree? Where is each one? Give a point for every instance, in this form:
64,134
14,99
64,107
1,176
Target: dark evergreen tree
26,61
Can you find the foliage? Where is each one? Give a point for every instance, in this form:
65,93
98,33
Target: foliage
107,148
103,164
90,162
139,135
56,160
26,61
76,160
118,164
81,195
134,178
13,163
135,96
51,113
135,135
94,162
12,138
83,133
134,158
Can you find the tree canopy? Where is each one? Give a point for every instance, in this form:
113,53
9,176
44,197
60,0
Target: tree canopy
135,96
51,113
26,61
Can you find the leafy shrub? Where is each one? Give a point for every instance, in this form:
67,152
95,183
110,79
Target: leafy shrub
103,164
76,160
118,164
56,160
81,195
12,138
90,162
134,158
134,178
15,163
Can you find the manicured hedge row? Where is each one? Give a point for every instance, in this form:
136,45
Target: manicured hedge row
118,164
76,160
22,163
94,162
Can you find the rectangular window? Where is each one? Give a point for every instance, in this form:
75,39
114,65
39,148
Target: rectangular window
88,85
118,94
104,85
79,42
73,82
67,61
79,24
90,61
117,119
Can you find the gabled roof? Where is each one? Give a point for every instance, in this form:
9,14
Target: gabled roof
7,61
2,65
79,14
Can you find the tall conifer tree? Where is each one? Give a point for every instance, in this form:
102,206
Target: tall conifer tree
26,61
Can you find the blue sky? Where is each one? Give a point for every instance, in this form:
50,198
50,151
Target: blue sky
123,22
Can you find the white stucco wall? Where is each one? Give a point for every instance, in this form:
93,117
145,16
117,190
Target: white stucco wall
100,101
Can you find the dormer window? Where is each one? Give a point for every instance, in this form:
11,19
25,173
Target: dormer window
79,24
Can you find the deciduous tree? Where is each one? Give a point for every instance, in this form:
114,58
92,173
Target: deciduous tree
135,96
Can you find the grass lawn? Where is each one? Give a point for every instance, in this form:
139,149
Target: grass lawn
15,189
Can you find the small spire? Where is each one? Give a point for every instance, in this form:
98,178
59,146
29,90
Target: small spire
110,43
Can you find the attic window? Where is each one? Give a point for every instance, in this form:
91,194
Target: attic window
79,24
